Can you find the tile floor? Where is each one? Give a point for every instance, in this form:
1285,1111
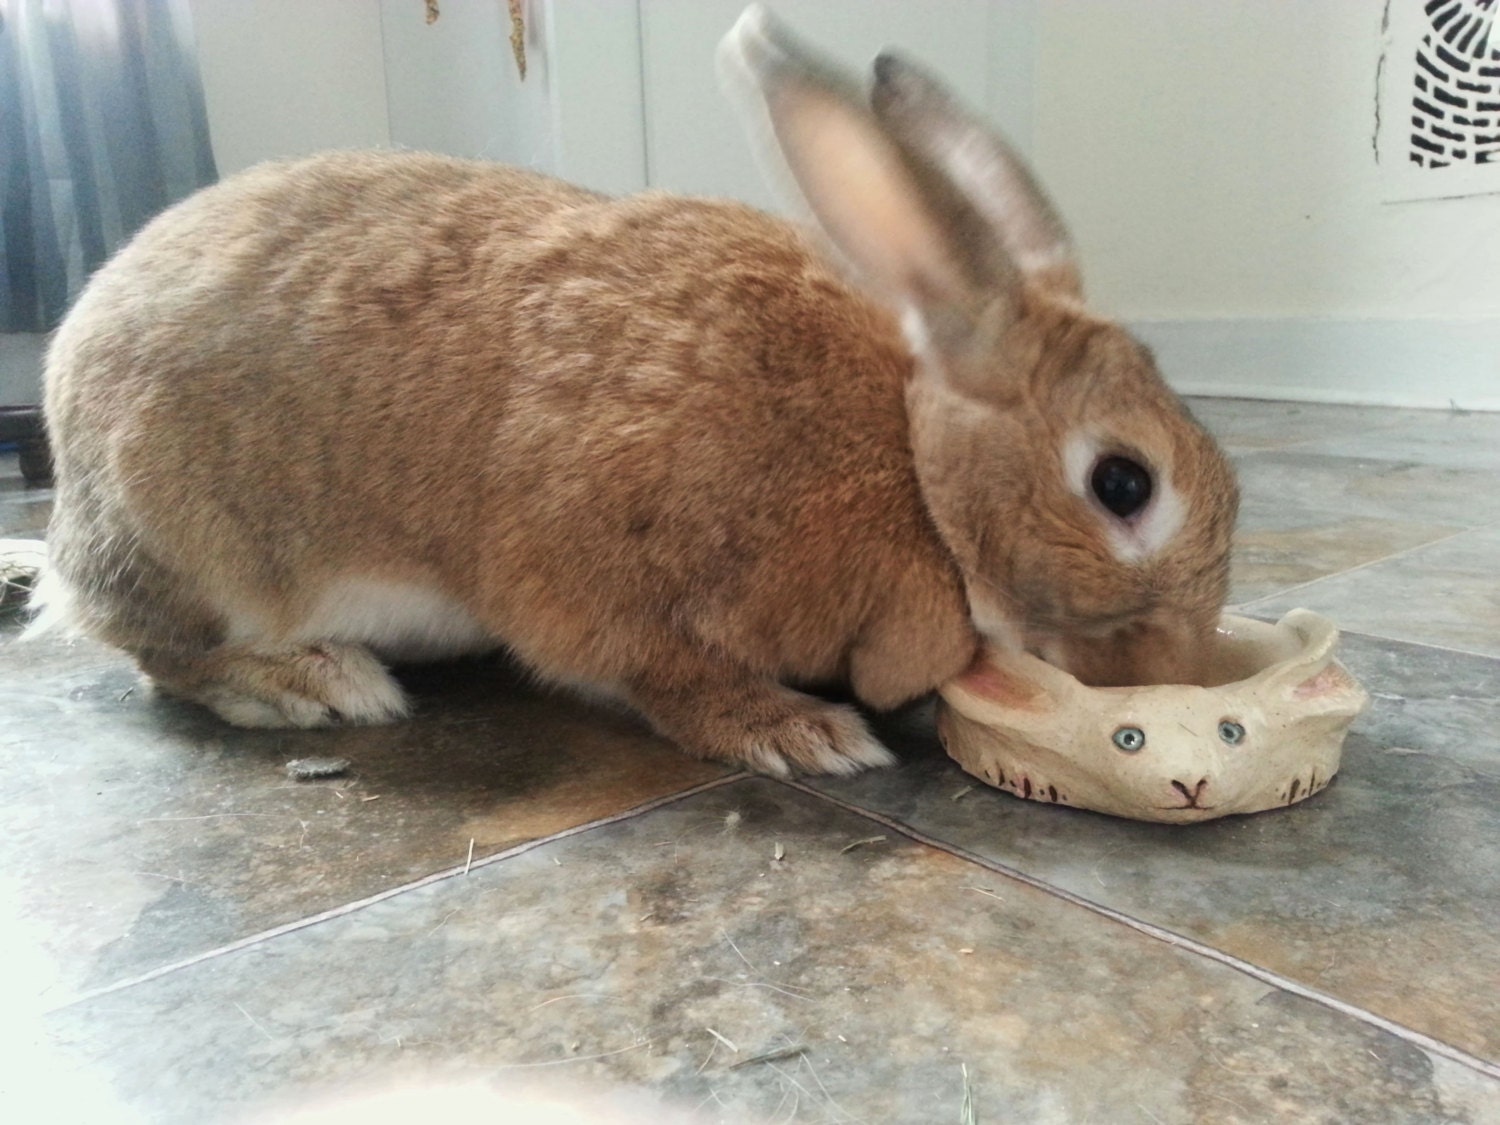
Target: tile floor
537,896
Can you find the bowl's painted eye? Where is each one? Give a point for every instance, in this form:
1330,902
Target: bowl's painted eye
1121,485
1231,732
1130,739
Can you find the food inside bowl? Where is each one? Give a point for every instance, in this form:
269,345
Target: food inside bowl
1264,729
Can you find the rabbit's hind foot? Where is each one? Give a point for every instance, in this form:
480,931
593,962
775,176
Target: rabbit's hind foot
315,684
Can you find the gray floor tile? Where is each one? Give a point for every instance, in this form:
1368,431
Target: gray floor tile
1384,890
1245,424
1295,485
1305,517
1446,438
1447,593
141,833
1273,554
140,830
668,951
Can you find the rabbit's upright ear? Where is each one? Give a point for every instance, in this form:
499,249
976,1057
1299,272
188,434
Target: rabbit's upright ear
923,118
902,225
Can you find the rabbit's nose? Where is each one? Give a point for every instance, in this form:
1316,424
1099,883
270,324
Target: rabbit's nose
1192,794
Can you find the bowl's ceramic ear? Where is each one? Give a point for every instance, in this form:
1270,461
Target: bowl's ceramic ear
1266,729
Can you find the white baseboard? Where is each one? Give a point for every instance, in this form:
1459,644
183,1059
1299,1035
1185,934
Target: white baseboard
1422,363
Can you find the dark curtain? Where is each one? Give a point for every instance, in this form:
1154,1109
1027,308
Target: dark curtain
102,125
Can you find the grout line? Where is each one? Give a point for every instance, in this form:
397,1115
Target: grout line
1255,605
1365,634
1417,644
457,870
1356,569
1169,937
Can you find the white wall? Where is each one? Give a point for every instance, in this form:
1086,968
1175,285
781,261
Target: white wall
1216,163
453,85
595,93
1214,159
695,141
287,77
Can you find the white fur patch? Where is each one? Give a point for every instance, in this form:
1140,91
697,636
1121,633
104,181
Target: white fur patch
397,620
1162,520
599,693
1078,455
914,329
1145,535
993,624
53,606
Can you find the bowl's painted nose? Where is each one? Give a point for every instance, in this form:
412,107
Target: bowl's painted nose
1192,793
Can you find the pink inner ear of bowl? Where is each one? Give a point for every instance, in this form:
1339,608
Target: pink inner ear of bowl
1329,680
987,680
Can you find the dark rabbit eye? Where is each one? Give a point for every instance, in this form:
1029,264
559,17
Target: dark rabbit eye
1231,732
1130,739
1121,485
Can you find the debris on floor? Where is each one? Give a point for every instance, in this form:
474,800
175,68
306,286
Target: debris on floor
310,769
21,561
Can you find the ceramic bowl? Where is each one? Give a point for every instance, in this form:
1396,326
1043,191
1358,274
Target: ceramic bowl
1264,727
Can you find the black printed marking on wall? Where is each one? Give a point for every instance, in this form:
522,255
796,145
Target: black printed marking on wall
1458,77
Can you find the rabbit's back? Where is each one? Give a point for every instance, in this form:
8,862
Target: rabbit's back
568,415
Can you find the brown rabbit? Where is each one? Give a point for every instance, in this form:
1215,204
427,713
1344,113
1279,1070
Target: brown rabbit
407,406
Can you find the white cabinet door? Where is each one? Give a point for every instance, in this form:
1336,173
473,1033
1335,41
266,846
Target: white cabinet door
694,142
453,86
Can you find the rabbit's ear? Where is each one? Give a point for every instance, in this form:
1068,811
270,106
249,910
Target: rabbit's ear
905,230
923,118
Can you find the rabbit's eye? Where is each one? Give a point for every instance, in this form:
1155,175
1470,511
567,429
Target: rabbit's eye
1231,732
1130,739
1121,485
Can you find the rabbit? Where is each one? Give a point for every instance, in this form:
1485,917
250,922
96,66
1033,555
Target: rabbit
367,407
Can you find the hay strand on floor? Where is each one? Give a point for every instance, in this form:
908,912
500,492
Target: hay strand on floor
771,1056
722,1039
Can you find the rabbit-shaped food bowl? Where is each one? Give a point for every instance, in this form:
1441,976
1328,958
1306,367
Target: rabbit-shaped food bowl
1264,729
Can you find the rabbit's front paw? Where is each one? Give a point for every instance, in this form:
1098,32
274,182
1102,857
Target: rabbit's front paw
767,728
819,738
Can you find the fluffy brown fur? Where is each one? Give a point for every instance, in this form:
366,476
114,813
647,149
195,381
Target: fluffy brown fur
656,446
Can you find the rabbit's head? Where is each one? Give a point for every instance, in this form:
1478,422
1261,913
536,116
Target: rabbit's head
1089,513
